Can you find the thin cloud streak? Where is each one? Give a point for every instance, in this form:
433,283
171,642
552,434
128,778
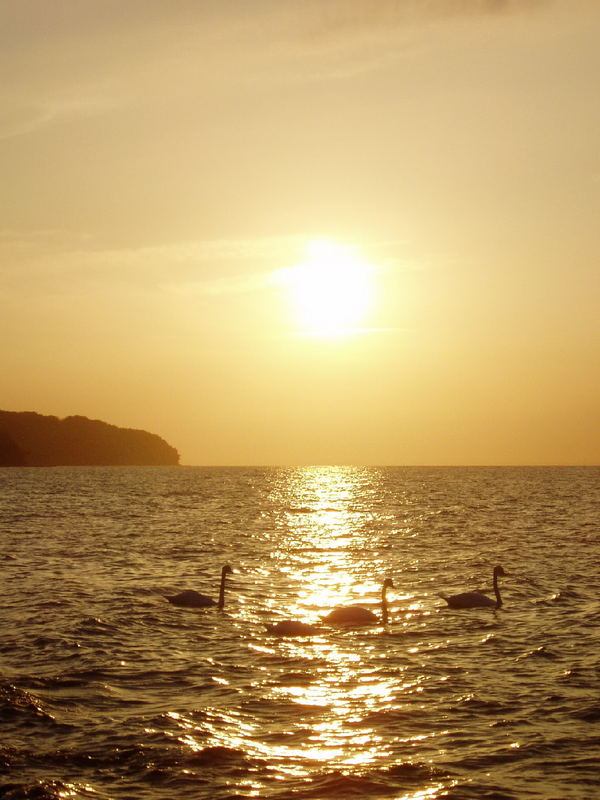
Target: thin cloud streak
309,41
55,260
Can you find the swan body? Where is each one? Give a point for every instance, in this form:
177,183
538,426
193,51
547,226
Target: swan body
192,599
292,627
477,599
469,600
351,615
357,615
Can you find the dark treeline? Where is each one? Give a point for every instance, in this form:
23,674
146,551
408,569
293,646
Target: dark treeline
34,440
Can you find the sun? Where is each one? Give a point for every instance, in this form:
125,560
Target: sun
331,291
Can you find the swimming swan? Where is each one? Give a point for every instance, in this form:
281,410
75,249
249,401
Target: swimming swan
292,627
477,599
193,599
356,615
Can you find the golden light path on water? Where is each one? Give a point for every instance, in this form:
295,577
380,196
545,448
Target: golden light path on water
149,698
326,558
332,520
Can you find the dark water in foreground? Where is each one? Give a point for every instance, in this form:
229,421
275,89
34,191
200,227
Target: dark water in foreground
108,691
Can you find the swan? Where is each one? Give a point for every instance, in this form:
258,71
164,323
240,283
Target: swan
292,627
356,615
193,599
477,599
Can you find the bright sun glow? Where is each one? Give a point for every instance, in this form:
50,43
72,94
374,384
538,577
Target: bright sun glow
331,290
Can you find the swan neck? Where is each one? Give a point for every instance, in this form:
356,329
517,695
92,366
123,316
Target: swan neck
384,605
497,591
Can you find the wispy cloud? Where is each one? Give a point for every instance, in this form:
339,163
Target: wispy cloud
56,261
57,67
18,118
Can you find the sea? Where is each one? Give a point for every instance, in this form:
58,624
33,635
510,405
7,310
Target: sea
110,692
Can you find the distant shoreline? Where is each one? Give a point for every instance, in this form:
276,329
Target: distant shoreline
29,439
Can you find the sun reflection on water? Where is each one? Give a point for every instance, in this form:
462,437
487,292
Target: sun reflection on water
326,557
326,548
327,701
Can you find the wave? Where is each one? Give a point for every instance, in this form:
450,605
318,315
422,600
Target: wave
204,706
378,783
538,652
561,596
588,714
477,789
45,790
19,704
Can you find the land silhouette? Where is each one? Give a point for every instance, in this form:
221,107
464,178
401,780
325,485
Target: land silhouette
28,439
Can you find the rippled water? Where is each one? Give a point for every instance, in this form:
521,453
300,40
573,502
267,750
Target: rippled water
108,691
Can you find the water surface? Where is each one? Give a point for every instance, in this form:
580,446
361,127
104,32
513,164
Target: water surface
108,691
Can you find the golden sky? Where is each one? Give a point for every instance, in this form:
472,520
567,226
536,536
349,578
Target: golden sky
306,231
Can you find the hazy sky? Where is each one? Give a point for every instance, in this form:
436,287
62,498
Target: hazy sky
170,169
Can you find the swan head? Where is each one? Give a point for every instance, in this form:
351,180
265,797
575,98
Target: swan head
226,570
388,583
499,572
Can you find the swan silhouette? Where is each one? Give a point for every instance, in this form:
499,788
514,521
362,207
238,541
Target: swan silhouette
192,599
292,627
357,615
476,599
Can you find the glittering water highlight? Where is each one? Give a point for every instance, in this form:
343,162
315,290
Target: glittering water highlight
108,691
